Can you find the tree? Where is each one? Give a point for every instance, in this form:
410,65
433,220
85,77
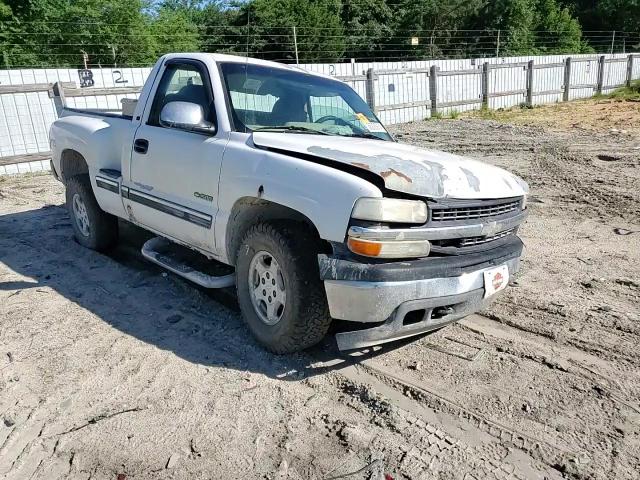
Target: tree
62,32
173,30
562,32
368,24
439,26
318,27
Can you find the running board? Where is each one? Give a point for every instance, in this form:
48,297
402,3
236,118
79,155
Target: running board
178,260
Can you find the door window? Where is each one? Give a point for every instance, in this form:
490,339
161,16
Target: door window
182,83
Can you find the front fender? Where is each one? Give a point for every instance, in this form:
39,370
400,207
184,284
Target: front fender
322,194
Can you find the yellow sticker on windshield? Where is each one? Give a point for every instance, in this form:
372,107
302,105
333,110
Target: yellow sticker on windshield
362,117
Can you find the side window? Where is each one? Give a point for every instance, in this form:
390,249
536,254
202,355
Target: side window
183,83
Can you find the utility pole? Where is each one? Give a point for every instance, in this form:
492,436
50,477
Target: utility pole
498,45
613,40
295,44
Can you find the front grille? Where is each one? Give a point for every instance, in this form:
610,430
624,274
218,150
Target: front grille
445,214
471,241
454,245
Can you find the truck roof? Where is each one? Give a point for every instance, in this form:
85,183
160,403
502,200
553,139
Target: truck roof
223,57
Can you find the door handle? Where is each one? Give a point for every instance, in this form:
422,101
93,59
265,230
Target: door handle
141,145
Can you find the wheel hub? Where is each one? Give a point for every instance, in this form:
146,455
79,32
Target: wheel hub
81,215
266,288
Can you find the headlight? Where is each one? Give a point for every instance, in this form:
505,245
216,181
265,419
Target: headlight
390,210
524,202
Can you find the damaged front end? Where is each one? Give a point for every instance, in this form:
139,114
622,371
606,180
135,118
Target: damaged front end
438,245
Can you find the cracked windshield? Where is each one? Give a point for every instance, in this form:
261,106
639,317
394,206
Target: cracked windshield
277,100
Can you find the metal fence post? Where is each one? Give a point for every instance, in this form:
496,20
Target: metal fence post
485,85
530,83
567,80
433,89
629,69
601,65
371,90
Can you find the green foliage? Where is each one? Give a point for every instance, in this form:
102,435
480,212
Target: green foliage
174,31
620,15
630,93
135,32
533,27
368,25
318,26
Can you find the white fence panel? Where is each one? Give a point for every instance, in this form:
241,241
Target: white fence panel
25,118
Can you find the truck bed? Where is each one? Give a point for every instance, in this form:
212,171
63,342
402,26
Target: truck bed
94,113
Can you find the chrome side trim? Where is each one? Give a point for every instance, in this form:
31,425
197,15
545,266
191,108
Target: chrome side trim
480,229
376,301
108,184
170,208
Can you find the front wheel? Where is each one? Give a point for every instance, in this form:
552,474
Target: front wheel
92,227
280,293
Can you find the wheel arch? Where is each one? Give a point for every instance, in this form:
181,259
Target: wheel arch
72,163
248,211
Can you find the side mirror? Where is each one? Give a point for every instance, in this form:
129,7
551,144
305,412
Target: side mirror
185,115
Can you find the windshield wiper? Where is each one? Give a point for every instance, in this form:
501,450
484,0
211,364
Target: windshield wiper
291,128
365,135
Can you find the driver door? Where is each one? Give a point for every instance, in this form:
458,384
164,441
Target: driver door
174,171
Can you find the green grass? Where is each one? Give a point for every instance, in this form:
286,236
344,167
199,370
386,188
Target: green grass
486,113
631,93
453,114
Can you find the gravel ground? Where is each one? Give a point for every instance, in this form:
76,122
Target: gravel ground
110,368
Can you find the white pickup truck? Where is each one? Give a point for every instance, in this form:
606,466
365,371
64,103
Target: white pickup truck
286,184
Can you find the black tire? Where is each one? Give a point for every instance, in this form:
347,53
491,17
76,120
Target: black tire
305,319
103,227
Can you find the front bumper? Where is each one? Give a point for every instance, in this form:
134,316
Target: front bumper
410,297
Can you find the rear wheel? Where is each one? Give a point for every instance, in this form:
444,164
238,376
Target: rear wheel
92,227
279,289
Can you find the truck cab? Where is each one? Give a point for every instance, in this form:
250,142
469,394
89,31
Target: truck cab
286,184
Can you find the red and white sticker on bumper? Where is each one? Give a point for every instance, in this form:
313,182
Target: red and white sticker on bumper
495,280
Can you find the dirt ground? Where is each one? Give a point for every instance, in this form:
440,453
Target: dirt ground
110,368
617,116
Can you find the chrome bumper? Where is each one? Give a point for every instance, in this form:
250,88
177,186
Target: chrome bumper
390,302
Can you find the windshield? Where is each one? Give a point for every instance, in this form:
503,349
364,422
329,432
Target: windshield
280,100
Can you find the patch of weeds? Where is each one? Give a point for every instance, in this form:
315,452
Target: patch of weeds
487,114
436,116
631,93
454,114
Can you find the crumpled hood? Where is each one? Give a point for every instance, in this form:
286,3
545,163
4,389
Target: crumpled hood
405,168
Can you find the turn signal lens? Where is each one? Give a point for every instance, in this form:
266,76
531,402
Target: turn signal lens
364,247
391,249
